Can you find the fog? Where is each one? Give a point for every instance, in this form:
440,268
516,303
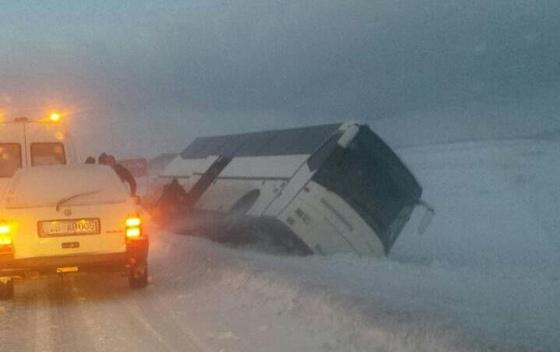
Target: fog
139,78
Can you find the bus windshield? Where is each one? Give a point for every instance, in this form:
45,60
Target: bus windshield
372,180
10,159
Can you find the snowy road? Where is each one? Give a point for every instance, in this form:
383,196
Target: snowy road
202,298
92,313
184,309
187,307
205,297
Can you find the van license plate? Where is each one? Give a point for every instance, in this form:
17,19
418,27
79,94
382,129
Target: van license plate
71,245
67,269
53,228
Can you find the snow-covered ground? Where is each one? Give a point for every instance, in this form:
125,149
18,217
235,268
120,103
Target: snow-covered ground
496,202
483,278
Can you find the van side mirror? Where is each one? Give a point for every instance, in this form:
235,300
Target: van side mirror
427,218
348,136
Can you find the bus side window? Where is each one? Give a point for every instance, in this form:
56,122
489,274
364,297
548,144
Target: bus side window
10,158
47,154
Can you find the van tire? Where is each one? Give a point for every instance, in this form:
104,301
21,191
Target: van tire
7,289
138,277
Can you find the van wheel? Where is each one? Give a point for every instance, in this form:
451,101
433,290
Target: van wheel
7,289
138,277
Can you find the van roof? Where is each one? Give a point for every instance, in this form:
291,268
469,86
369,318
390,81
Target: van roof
12,131
42,185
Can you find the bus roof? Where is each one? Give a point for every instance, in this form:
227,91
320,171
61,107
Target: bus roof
303,140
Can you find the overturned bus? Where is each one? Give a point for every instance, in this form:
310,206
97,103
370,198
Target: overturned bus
330,188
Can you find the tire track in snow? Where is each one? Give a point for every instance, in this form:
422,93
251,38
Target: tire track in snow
43,337
175,334
121,319
69,332
19,322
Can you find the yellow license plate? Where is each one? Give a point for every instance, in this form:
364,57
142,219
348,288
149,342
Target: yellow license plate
67,269
51,228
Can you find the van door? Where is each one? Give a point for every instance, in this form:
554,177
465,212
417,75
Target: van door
12,151
47,144
10,159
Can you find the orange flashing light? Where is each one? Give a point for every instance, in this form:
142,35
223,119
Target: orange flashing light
5,229
5,240
55,117
133,222
133,227
5,235
133,232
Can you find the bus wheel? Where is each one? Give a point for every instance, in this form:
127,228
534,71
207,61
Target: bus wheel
245,203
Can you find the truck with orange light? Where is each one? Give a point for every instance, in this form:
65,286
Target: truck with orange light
70,218
25,143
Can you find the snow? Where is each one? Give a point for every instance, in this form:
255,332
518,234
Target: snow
484,277
359,304
496,205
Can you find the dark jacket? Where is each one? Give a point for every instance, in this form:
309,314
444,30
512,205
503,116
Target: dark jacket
173,194
127,177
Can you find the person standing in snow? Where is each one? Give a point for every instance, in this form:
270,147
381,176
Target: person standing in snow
122,171
102,159
173,199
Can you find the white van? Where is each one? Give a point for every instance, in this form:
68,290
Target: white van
69,218
25,143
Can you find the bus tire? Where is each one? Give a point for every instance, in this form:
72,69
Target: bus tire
245,203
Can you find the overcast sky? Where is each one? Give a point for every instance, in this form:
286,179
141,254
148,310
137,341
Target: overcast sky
143,77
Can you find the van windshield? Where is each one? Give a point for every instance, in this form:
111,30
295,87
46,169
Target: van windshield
10,159
47,154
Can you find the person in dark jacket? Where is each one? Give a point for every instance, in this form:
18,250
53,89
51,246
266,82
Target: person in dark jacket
173,199
123,173
102,159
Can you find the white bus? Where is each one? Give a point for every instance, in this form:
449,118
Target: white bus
335,188
25,143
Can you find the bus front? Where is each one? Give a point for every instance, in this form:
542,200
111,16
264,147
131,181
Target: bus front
366,193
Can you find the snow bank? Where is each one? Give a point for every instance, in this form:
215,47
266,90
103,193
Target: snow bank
496,203
346,303
278,304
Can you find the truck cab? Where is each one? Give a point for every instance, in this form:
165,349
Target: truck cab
26,143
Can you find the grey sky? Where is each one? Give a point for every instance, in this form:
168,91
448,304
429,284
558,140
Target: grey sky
165,72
